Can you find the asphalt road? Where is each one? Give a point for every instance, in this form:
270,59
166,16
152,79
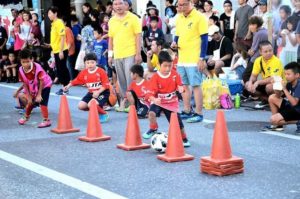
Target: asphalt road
35,163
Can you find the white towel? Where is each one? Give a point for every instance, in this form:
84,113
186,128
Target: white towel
232,20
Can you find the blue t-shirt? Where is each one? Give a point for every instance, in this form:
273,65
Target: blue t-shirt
295,92
76,29
99,49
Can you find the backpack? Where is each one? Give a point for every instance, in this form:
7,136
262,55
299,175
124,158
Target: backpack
225,101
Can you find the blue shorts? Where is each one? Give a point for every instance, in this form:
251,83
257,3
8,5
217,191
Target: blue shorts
190,75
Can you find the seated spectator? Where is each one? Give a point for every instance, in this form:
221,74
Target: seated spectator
220,51
263,7
151,12
152,58
153,32
3,60
285,104
267,65
10,67
239,61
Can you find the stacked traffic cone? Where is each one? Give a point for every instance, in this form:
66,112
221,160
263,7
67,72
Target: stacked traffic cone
175,150
133,140
221,162
64,122
94,129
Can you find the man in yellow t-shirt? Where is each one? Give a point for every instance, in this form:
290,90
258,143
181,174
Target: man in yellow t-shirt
268,66
59,48
192,40
124,44
152,58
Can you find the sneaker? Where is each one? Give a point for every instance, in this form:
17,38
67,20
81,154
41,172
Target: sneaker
44,124
149,133
185,115
23,120
186,142
62,92
104,118
261,105
107,108
126,110
298,128
19,107
22,111
272,128
119,109
195,118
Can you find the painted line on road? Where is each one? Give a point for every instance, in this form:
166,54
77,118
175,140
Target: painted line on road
280,134
60,177
209,121
53,94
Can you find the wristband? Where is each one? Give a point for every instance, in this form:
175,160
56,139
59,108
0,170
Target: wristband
110,53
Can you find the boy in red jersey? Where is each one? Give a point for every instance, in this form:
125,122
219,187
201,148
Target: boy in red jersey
162,94
97,82
137,91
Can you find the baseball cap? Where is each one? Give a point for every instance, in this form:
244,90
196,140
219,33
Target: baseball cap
213,29
263,2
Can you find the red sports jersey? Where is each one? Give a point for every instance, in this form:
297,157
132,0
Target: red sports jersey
165,87
93,80
140,89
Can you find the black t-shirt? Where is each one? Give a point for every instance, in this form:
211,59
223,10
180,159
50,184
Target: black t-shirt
3,35
152,35
295,92
225,49
226,21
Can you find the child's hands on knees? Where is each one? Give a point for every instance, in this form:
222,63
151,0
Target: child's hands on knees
38,99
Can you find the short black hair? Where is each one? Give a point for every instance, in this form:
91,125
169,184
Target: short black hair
154,18
159,42
73,18
256,20
287,9
90,56
25,54
264,43
99,30
137,69
170,1
294,66
53,9
164,56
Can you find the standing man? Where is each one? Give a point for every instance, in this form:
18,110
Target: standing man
191,39
124,44
242,35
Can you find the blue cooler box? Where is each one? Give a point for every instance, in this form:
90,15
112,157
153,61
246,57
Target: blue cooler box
235,86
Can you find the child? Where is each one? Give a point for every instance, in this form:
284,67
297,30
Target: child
37,85
288,43
100,48
137,91
239,62
162,93
97,83
10,67
154,32
286,108
2,62
104,19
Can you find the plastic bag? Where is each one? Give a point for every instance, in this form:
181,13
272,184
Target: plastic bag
212,89
80,61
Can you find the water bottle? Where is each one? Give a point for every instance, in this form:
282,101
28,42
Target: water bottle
237,101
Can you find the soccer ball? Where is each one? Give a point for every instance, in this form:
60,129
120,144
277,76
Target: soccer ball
159,142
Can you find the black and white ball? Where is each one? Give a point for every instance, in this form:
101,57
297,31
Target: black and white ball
159,142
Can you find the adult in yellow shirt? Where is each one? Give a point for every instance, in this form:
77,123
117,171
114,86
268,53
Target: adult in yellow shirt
268,66
59,48
124,44
152,58
192,40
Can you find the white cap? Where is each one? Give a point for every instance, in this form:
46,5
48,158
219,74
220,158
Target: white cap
213,29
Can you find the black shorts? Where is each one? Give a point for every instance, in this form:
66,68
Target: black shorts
157,110
141,108
288,112
261,89
102,99
45,97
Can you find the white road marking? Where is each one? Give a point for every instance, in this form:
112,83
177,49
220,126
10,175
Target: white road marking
280,134
209,121
60,177
53,94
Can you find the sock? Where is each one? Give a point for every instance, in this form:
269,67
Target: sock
153,126
44,110
101,111
28,110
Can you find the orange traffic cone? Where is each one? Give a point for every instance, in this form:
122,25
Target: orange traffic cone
94,129
133,140
221,162
64,122
175,151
